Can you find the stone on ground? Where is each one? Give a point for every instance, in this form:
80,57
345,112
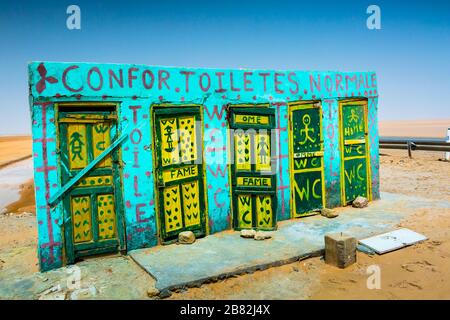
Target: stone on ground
262,235
340,250
329,213
360,202
186,237
152,292
165,294
248,233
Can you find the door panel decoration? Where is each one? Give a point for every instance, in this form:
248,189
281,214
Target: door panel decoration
306,163
355,164
253,179
101,139
180,184
81,215
93,218
106,216
77,145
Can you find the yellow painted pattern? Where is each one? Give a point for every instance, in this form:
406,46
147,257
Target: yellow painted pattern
250,119
244,211
106,216
264,211
191,204
76,142
242,151
169,141
262,152
172,208
81,219
188,139
101,139
254,182
98,181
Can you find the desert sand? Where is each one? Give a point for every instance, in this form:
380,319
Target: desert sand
416,128
26,202
15,186
13,149
415,272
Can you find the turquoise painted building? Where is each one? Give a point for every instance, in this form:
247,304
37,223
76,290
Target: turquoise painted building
128,156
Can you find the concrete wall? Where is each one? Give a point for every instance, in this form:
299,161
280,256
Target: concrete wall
137,87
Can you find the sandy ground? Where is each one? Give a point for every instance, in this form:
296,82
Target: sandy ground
416,272
16,187
16,183
418,128
25,203
17,147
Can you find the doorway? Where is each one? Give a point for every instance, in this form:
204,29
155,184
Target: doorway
306,158
253,178
178,159
93,213
355,168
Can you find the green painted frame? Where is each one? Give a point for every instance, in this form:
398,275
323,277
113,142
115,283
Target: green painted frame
294,106
157,110
262,109
105,246
364,103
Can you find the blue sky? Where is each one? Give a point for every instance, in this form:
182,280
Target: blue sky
411,53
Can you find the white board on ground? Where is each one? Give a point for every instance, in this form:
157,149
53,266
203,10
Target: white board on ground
393,240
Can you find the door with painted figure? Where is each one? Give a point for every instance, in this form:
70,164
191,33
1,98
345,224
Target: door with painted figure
354,150
93,216
306,161
253,178
180,184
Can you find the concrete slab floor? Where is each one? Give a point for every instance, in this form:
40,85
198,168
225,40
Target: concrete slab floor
100,277
212,258
222,255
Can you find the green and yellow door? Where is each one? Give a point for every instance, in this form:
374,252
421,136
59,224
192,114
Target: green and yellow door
253,179
93,215
306,158
179,171
354,150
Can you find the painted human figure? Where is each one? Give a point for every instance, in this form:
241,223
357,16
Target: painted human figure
76,145
353,116
263,147
307,130
169,139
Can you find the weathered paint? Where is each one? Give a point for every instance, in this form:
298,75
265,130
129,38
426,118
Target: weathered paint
254,204
137,88
93,214
180,184
306,165
354,151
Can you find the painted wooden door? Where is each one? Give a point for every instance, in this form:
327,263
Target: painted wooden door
93,216
180,183
354,152
252,170
306,163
